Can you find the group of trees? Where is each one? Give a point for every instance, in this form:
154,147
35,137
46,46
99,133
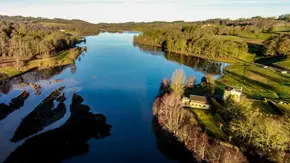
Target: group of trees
284,17
197,40
255,24
76,26
22,40
261,134
29,37
182,124
277,45
245,123
204,37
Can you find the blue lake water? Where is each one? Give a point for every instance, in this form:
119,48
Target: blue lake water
114,78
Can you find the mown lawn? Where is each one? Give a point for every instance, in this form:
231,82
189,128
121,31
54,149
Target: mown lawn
284,63
279,61
212,124
238,38
257,83
10,71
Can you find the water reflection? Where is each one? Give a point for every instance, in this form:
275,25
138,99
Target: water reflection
15,104
169,145
42,116
196,63
33,76
71,139
73,68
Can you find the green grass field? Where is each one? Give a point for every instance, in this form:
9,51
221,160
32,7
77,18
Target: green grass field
212,124
257,83
249,38
279,61
65,57
284,63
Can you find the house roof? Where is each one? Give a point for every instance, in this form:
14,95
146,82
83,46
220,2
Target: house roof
229,88
232,88
200,99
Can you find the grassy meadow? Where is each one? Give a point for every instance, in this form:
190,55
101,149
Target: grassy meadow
65,57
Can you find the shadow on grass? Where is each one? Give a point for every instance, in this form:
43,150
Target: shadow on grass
255,49
270,77
250,83
266,108
271,60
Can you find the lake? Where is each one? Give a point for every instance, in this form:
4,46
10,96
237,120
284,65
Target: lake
115,78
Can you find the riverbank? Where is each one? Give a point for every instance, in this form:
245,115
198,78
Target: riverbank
181,125
63,58
263,103
226,59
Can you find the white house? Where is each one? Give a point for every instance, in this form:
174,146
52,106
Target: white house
231,92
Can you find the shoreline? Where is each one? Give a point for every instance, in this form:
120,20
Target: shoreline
70,56
189,54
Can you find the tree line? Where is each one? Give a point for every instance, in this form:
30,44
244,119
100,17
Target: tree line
277,45
197,40
28,40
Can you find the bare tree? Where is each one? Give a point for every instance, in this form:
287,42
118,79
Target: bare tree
178,81
190,81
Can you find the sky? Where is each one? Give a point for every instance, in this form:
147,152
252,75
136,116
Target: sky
114,11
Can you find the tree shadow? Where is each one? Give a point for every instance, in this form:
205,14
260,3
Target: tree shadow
271,60
15,104
66,141
170,146
255,49
269,77
42,116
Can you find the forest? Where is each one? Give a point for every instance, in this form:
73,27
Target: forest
222,38
27,43
31,40
256,129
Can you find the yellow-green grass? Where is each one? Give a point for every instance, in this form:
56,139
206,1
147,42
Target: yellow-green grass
284,63
10,71
281,29
240,39
212,124
284,107
256,82
63,58
266,108
260,36
247,57
52,24
246,37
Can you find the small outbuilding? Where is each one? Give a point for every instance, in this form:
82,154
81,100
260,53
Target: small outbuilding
197,102
232,93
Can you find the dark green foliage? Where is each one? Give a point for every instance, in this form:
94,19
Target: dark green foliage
27,40
197,40
284,17
277,45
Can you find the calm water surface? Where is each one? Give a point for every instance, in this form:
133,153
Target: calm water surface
114,78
